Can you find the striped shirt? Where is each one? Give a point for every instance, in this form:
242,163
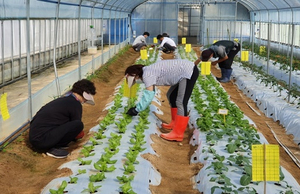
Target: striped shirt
167,72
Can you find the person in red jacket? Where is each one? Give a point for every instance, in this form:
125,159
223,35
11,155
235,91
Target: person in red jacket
58,123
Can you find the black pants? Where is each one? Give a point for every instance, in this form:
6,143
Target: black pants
228,63
59,136
168,47
179,94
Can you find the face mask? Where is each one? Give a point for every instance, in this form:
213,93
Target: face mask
139,81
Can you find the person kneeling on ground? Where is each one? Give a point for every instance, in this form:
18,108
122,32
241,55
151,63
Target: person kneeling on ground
58,123
181,75
225,50
167,44
140,41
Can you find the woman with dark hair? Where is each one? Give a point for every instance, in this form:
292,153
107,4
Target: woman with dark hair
181,75
58,123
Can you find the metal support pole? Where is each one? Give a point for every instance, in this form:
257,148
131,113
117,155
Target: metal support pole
28,59
291,61
79,41
269,40
54,49
252,36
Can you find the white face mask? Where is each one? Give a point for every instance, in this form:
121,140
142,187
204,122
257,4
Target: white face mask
139,81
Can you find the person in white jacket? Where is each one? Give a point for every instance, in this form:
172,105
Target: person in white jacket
140,41
167,44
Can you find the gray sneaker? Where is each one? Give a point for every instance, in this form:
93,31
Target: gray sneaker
57,153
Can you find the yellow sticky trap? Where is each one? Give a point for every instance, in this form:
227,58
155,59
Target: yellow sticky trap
245,56
155,40
215,41
3,107
265,163
205,68
129,92
262,49
188,48
183,40
236,40
144,55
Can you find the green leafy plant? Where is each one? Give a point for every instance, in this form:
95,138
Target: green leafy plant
83,171
127,189
84,162
124,179
102,167
61,188
91,188
129,168
73,180
100,176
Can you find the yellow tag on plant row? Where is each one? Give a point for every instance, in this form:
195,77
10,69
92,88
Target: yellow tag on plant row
265,163
3,107
215,41
154,40
245,56
129,92
236,40
183,40
188,48
205,68
144,55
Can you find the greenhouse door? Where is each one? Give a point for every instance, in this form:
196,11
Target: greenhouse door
189,23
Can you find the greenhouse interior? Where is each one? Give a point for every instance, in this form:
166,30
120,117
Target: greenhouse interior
164,129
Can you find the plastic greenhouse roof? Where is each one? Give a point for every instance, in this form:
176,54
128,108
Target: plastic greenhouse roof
129,5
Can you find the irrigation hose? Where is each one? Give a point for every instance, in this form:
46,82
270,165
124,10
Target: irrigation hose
293,157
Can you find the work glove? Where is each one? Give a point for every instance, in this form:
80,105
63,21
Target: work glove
132,111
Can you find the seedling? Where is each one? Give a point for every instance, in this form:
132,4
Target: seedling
84,162
124,179
102,167
83,171
127,189
100,176
91,188
73,180
61,188
129,168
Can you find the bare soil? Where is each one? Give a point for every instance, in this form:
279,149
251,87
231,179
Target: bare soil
24,171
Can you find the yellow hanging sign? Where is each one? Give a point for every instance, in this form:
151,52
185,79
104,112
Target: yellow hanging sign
155,40
245,56
215,41
188,48
183,40
265,163
205,68
129,92
236,40
262,49
144,55
3,107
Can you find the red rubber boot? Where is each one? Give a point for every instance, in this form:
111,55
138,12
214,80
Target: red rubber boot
176,134
171,124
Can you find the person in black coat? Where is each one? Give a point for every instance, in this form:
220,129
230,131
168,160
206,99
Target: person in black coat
58,122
